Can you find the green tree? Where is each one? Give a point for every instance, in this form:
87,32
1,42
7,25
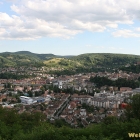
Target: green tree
30,93
110,120
133,109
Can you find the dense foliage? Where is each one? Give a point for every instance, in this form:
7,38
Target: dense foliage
133,110
13,76
77,71
132,68
102,81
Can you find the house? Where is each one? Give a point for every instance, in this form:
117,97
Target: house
83,112
90,118
84,122
74,123
72,105
122,89
11,99
77,113
50,113
114,104
81,98
18,88
102,110
29,88
69,119
124,105
1,87
1,99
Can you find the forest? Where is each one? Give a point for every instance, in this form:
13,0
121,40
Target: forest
121,82
131,68
8,75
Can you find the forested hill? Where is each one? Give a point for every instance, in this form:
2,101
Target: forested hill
91,60
106,59
22,58
15,59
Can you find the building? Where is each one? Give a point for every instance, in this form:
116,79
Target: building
100,102
81,98
122,89
26,100
40,99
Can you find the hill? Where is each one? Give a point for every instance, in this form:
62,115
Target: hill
106,59
96,60
5,62
93,62
13,59
82,62
22,58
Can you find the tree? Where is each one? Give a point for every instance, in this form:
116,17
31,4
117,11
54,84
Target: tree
60,123
42,89
133,108
30,93
4,100
110,120
10,94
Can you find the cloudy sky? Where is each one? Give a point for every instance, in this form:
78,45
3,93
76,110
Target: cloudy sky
70,27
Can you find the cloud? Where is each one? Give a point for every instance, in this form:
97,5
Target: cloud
64,18
12,1
125,33
137,29
132,8
39,28
9,21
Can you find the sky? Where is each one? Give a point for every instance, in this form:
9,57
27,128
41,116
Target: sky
70,27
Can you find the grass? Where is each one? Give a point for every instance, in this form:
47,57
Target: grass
52,61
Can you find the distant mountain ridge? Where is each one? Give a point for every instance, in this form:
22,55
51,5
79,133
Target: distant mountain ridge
41,56
26,58
22,58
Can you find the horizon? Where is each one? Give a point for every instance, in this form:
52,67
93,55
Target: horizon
70,27
66,54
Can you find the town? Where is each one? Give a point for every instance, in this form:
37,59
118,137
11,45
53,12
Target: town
69,69
76,99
